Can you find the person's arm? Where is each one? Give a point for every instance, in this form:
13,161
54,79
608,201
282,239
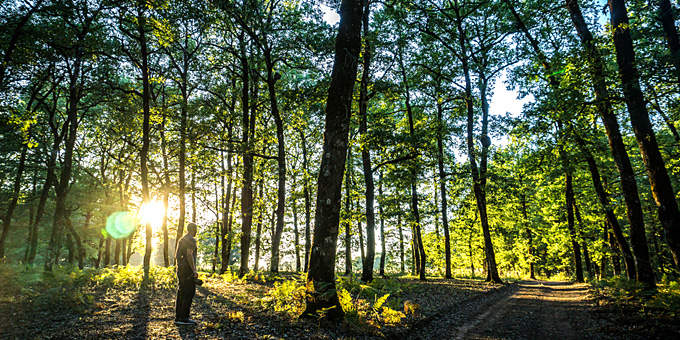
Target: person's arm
190,259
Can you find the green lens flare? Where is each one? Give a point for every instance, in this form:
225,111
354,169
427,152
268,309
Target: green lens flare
121,224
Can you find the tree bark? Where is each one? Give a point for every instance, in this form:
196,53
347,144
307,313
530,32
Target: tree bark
367,264
667,20
586,255
642,271
13,202
659,181
442,188
348,214
281,160
166,194
402,261
382,227
308,204
321,275
146,109
569,194
247,185
419,249
529,237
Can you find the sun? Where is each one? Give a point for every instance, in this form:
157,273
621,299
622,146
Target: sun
151,213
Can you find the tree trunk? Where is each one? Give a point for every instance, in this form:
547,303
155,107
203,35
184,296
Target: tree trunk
667,20
367,264
382,228
419,249
643,271
361,237
529,236
218,233
258,229
13,202
569,194
247,186
298,262
659,181
348,214
281,160
402,261
586,255
78,242
146,109
603,198
321,276
166,194
226,207
308,204
230,225
442,188
67,164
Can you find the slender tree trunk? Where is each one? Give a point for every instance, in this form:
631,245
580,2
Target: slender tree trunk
67,165
146,109
603,198
44,193
230,225
247,186
348,214
166,194
308,204
586,255
402,260
660,183
13,202
258,229
218,233
569,194
616,262
361,236
529,236
442,188
321,275
382,227
417,235
281,160
78,242
367,269
298,262
667,19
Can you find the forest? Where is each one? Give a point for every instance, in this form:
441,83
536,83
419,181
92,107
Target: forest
377,161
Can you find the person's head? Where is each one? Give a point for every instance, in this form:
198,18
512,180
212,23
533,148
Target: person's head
191,229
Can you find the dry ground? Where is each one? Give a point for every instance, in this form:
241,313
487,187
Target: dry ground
449,309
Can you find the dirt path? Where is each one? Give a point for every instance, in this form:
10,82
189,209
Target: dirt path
527,310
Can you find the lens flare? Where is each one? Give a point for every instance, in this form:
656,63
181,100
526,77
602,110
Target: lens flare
121,224
151,213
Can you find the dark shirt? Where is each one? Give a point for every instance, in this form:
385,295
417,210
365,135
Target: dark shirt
186,242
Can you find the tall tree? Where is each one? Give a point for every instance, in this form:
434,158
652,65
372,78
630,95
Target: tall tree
321,276
659,181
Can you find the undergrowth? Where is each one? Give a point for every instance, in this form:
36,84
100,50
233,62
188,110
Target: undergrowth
666,298
367,306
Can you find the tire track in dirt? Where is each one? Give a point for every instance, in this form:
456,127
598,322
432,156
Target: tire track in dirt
526,310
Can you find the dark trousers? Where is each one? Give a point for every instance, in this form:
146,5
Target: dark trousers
185,293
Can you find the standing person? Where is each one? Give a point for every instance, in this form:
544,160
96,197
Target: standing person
185,258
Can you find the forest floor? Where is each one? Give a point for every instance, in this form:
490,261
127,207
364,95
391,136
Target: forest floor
444,309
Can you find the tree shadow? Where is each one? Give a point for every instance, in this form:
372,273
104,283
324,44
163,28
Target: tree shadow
141,313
